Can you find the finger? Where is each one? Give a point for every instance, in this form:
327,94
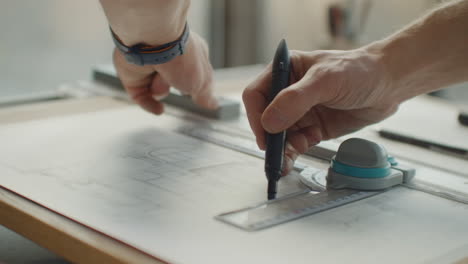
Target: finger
290,156
159,87
140,92
298,143
305,138
137,81
291,104
255,98
144,97
309,119
204,96
151,105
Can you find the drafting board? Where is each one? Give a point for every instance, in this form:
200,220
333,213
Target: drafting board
113,171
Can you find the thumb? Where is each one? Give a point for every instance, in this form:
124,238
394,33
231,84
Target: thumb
290,105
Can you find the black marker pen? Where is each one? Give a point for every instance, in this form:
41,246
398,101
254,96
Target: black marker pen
275,142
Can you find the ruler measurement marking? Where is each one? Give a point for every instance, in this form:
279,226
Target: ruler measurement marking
275,218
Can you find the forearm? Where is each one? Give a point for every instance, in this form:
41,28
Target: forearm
429,54
153,22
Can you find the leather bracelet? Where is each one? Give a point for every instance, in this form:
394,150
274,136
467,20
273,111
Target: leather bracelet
142,54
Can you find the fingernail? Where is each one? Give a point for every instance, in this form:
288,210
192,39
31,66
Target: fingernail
290,149
274,121
260,144
314,136
288,164
289,158
160,97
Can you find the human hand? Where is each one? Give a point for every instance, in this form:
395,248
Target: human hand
333,93
191,73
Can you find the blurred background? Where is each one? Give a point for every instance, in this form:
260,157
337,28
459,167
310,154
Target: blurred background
49,42
46,43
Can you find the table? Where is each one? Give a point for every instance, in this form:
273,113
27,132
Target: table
72,240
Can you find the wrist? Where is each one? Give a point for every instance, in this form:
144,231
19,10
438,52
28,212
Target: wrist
429,54
401,71
388,77
153,23
151,36
142,54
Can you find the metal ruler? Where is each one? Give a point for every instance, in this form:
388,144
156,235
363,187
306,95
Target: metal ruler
290,207
233,142
278,211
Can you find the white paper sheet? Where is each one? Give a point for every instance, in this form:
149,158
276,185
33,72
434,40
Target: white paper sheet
129,175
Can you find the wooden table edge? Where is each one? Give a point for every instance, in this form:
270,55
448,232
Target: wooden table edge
65,237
